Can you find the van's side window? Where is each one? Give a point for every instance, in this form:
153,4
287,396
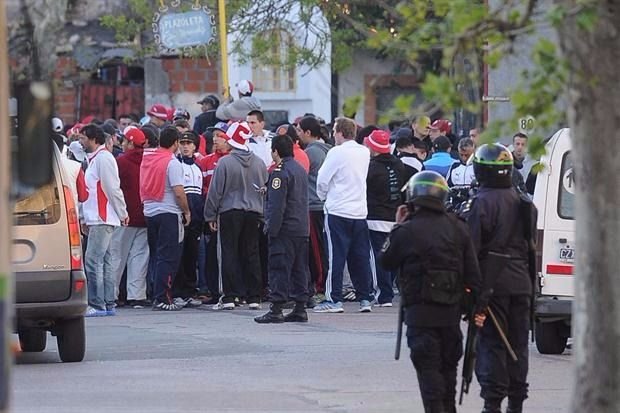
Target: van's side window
42,207
566,201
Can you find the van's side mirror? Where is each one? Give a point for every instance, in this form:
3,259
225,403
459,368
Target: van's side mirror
34,133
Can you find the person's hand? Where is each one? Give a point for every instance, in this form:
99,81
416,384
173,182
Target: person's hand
226,93
479,319
187,218
402,213
125,221
213,226
84,229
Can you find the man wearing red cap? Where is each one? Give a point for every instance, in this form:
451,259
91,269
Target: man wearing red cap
234,209
440,127
386,177
158,114
237,110
129,245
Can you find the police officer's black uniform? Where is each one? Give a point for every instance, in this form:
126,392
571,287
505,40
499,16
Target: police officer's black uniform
287,227
494,216
437,262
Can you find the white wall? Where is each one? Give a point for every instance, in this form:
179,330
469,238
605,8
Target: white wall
313,88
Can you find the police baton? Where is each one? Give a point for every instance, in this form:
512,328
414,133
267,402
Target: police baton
399,330
502,335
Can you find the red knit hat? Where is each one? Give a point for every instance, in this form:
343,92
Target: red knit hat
378,141
238,134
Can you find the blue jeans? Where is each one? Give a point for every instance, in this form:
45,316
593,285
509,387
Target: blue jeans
385,291
100,270
165,235
348,241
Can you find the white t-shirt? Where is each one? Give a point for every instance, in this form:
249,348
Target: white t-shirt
168,204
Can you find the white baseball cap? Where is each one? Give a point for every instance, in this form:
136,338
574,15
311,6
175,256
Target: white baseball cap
245,87
57,125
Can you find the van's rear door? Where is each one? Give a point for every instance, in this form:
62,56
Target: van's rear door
41,254
559,232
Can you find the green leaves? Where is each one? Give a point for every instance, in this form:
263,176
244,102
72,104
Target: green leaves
586,18
351,105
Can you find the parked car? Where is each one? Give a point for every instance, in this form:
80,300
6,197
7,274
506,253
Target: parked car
50,283
554,197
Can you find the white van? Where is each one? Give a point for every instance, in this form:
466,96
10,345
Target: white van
554,197
50,284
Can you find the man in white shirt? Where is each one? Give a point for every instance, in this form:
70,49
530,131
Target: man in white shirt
260,140
104,210
341,183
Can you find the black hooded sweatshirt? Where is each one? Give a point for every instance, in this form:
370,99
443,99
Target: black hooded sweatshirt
386,177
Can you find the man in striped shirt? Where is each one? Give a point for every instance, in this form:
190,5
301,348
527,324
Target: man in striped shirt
185,282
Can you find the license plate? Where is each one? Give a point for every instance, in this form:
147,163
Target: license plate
567,254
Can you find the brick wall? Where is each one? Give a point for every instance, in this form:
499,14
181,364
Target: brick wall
188,79
191,76
65,91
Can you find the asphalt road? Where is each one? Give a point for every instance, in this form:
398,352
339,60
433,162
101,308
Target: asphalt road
199,360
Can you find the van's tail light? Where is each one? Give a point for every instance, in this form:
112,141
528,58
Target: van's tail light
74,230
540,237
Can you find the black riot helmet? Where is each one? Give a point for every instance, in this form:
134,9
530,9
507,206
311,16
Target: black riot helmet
427,189
493,164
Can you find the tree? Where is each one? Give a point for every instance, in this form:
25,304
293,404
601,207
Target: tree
588,40
32,36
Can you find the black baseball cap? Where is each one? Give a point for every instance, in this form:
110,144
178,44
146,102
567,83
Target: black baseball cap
442,143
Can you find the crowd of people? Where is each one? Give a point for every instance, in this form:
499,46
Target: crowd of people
226,213
174,215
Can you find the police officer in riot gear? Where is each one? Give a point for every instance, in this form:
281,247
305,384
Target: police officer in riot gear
437,262
287,228
495,216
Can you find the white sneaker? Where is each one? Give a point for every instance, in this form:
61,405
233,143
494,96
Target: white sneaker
365,306
192,302
93,312
224,306
179,302
383,305
254,306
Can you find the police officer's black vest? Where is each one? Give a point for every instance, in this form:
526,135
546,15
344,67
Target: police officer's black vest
434,279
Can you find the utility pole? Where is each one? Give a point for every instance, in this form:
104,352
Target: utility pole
221,4
6,284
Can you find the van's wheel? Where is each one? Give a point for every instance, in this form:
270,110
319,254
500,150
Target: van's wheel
32,340
71,339
550,338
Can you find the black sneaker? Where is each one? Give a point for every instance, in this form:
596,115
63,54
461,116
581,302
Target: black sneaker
210,301
296,317
157,306
138,304
349,295
270,317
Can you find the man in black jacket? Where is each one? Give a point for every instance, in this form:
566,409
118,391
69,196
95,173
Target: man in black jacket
207,119
497,222
287,228
437,262
386,177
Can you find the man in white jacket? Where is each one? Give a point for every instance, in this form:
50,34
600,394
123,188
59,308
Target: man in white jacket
104,210
260,141
341,183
